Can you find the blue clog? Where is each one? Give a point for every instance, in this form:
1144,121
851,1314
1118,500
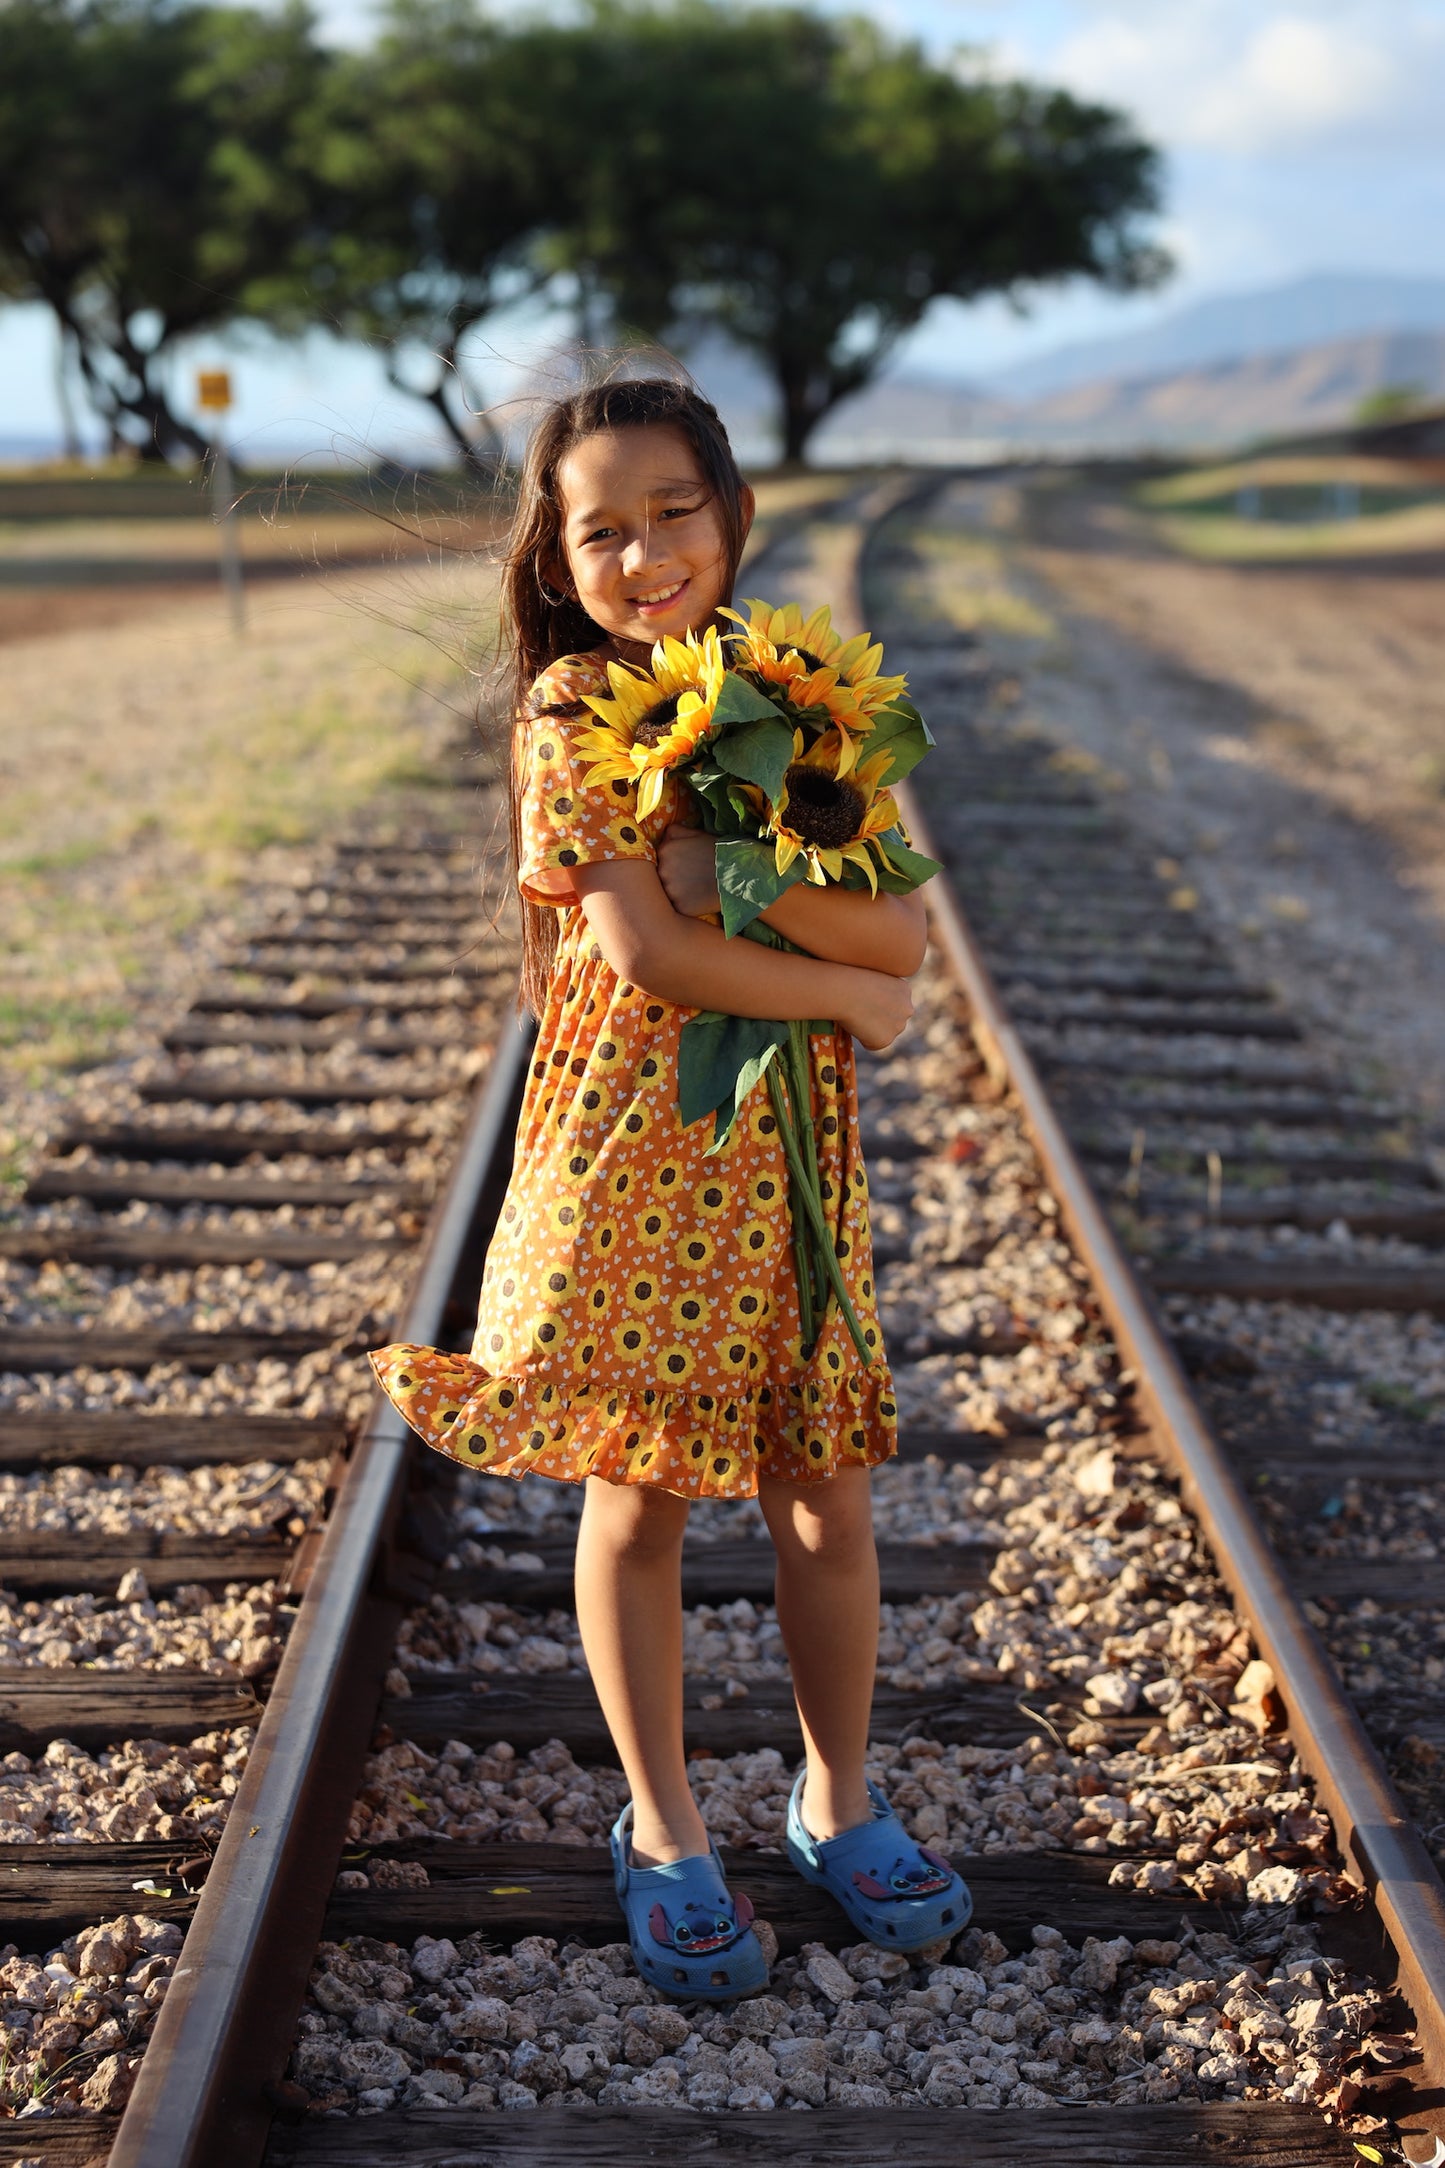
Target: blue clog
897,1893
691,1938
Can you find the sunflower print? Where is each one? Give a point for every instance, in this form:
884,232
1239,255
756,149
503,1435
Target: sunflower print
638,1317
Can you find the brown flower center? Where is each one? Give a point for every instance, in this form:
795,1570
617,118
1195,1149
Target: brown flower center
806,656
657,722
823,810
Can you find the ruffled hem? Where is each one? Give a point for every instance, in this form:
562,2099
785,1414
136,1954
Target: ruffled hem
699,1445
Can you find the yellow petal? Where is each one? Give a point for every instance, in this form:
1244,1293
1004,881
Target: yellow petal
649,791
857,854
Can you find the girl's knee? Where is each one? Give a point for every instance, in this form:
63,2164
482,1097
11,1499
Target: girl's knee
636,1518
830,1522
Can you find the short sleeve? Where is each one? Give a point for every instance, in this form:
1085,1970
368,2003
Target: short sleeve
566,822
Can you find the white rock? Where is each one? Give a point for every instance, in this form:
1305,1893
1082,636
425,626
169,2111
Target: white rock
433,1961
369,2063
487,2018
827,1975
1111,1693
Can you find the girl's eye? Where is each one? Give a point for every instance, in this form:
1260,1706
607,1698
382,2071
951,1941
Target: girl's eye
600,534
680,511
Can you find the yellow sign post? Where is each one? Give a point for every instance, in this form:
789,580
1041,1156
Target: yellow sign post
213,396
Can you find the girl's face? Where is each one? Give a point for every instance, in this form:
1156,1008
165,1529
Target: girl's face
642,534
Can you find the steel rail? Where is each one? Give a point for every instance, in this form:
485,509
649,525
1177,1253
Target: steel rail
201,2098
1370,1822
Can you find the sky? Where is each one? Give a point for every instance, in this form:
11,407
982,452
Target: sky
1297,138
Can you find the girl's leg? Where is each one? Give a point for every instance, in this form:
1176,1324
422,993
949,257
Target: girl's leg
629,1611
827,1595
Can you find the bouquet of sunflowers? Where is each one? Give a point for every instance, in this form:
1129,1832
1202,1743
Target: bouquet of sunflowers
789,739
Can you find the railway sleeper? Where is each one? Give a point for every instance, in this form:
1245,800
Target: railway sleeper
109,1190
223,1141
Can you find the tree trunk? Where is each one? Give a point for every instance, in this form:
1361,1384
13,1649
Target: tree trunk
481,457
70,429
165,437
803,402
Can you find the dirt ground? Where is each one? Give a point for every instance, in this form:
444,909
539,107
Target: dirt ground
155,767
1280,731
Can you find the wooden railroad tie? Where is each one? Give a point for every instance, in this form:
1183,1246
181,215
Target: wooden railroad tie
107,1188
225,1141
1260,2134
197,1031
63,1348
103,1437
721,1572
215,1088
528,1713
1350,1284
137,1247
94,1562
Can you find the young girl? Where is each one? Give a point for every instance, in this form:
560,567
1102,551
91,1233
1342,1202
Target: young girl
639,1322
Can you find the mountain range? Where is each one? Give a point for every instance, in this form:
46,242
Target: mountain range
1295,357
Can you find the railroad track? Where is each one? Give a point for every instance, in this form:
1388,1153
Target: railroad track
1020,1430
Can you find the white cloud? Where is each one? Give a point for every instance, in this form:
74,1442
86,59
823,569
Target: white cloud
1237,77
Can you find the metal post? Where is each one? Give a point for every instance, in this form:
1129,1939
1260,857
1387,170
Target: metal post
225,514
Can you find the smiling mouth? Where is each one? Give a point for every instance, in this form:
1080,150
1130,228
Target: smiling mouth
659,595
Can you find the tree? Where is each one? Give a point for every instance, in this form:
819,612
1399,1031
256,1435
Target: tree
1389,403
812,186
149,182
434,160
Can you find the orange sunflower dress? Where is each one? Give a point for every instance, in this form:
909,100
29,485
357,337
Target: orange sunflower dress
639,1311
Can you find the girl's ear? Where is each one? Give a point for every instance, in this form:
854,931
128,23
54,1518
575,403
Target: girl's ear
748,503
556,581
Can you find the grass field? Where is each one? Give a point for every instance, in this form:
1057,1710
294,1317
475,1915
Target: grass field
152,764
1278,509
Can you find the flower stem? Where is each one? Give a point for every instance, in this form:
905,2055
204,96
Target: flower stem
812,1205
800,1077
802,1247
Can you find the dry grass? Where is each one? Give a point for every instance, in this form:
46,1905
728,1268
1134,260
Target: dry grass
147,767
152,765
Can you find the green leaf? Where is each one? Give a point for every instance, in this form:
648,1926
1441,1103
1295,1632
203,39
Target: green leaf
910,864
760,753
740,702
721,806
719,1060
748,880
750,738
747,1077
902,729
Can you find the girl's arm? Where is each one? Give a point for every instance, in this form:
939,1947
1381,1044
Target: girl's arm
682,960
840,925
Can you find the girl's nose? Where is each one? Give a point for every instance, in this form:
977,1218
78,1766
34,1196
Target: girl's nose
643,551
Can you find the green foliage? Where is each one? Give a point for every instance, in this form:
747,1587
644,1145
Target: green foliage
436,170
1389,403
846,184
759,752
748,880
906,869
720,1059
150,181
902,729
804,182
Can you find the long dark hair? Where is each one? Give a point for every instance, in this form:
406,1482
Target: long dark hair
537,627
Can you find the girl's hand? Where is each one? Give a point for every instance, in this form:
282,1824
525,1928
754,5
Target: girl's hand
687,865
880,1008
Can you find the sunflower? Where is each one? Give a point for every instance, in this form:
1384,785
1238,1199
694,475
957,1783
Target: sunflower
656,717
830,814
814,668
